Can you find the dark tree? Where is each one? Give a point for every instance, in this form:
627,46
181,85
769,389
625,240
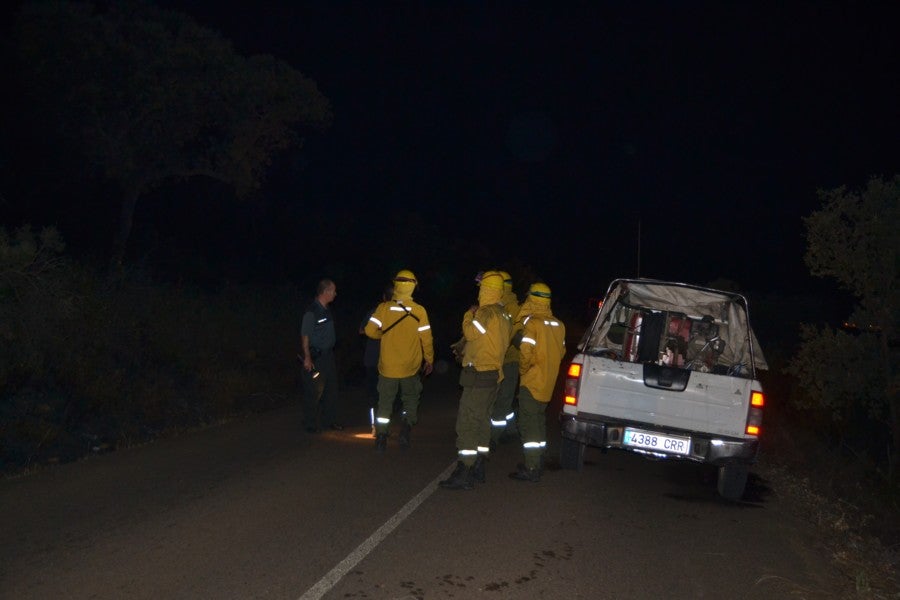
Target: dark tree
853,239
149,96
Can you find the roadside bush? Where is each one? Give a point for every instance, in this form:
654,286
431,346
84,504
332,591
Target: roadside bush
852,240
88,365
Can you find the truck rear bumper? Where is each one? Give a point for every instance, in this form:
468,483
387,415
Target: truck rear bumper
704,448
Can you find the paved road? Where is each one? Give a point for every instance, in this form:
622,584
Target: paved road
260,509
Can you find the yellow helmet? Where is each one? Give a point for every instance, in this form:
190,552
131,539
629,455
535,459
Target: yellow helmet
492,280
405,275
507,281
539,292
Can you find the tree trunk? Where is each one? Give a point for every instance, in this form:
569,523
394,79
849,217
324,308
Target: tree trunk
126,220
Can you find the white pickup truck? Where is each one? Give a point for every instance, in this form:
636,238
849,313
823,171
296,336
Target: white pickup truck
667,370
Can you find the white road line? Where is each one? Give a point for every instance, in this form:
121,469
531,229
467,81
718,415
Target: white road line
325,584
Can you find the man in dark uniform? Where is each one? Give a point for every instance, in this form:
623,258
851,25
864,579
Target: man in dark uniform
320,377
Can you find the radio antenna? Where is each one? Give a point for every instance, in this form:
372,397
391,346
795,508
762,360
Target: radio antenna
639,247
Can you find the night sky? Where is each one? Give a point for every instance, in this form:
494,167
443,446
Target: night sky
549,133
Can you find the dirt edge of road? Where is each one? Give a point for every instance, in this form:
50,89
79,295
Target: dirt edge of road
869,567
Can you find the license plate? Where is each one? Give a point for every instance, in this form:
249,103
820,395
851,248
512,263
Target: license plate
656,441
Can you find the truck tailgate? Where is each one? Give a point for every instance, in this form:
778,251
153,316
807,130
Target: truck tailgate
714,404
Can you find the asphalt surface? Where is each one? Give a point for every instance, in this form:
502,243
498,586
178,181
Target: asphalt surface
258,508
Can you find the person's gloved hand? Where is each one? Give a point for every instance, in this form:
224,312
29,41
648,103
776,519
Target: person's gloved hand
458,348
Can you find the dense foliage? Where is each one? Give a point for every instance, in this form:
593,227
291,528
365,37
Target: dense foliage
86,365
852,373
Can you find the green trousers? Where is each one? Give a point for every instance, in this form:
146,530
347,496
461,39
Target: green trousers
473,426
502,413
532,427
410,390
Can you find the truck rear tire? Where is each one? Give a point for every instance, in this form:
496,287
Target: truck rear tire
732,481
571,454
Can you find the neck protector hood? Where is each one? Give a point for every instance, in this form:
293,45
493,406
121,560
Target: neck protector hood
403,290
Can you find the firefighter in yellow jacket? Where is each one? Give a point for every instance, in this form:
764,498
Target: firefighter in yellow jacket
542,347
406,348
486,328
503,414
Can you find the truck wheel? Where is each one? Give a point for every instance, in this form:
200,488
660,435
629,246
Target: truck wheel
571,454
732,481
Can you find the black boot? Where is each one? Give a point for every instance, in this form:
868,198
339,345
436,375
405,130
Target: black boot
405,432
380,443
460,479
478,469
523,473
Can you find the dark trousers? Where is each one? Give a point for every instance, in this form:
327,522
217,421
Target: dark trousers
409,390
473,425
532,428
502,413
320,394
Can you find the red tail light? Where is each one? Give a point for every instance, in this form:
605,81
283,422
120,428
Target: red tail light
755,415
573,376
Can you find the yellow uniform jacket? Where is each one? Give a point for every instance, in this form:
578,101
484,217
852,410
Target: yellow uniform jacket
487,334
542,350
404,345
